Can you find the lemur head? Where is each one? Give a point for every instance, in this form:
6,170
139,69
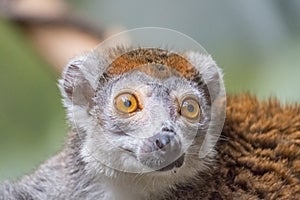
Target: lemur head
142,110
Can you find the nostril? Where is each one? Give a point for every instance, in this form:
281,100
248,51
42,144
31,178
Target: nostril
159,144
162,141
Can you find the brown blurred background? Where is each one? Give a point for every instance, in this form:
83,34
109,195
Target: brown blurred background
257,43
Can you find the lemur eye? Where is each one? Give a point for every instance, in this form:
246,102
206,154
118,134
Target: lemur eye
126,103
190,109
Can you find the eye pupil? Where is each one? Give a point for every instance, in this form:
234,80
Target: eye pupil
190,108
127,103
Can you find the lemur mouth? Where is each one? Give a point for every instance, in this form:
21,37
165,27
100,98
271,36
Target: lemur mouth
177,163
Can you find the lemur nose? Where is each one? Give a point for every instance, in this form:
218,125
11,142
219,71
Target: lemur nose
162,141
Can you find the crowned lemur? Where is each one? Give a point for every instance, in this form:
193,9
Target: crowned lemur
139,118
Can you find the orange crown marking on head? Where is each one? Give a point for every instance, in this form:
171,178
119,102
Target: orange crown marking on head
138,57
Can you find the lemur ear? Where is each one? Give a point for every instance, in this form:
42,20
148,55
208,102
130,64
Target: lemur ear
76,87
209,71
79,80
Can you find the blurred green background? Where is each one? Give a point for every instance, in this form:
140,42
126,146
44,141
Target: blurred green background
257,43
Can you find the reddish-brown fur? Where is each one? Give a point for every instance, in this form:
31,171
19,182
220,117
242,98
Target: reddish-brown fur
139,57
259,153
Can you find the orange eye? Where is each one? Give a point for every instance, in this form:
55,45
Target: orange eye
126,103
190,109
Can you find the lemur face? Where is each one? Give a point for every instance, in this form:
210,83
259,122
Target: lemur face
147,111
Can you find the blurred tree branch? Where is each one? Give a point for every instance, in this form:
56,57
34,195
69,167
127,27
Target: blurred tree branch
54,28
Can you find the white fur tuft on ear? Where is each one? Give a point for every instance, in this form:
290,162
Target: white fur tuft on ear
209,71
78,85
